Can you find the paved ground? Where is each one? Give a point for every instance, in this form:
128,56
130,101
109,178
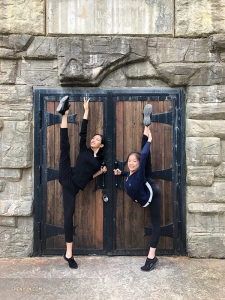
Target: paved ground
112,278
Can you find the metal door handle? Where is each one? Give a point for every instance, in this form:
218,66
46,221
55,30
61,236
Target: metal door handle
116,176
103,176
105,198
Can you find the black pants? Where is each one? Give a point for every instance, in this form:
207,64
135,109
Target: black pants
69,188
155,204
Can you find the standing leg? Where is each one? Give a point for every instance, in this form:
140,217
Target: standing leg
155,206
70,191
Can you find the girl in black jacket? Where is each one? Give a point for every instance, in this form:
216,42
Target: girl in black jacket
73,179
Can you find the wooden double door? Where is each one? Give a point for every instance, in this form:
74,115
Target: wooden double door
106,221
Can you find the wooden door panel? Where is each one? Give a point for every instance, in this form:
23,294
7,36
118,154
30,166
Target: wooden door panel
130,217
88,217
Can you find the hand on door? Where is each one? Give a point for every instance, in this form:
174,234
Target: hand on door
117,171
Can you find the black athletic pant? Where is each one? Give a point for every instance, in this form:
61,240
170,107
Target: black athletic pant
155,204
69,188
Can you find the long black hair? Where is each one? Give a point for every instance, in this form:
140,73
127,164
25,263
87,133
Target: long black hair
137,154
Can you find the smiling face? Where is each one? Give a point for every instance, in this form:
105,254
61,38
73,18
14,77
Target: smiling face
133,163
96,142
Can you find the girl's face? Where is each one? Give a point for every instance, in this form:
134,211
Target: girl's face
96,142
133,163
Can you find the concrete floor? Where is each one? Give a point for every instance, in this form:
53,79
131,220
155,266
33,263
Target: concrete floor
116,278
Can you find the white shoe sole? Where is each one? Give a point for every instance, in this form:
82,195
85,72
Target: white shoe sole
147,114
61,103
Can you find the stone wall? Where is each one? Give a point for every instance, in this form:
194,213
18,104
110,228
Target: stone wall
193,58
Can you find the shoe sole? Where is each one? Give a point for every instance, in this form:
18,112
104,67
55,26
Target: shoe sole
61,103
153,266
147,114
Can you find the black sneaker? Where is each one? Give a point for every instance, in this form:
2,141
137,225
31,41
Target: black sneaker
147,114
72,263
63,105
150,264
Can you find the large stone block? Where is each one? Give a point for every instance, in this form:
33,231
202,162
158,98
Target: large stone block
203,151
202,194
2,185
140,70
8,69
11,174
16,207
12,44
208,111
220,170
207,209
17,197
16,145
36,72
16,102
114,79
17,242
200,175
168,50
206,246
206,223
22,16
8,221
183,74
205,94
110,17
205,128
41,47
199,18
87,61
218,45
223,150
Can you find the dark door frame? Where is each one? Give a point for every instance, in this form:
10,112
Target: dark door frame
177,230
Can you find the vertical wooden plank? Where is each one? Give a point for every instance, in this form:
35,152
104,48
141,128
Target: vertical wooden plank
50,156
57,207
120,156
98,194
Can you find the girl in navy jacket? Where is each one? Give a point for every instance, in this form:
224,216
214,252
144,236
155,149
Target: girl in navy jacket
142,189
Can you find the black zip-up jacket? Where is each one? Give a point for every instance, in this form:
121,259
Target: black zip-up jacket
87,164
